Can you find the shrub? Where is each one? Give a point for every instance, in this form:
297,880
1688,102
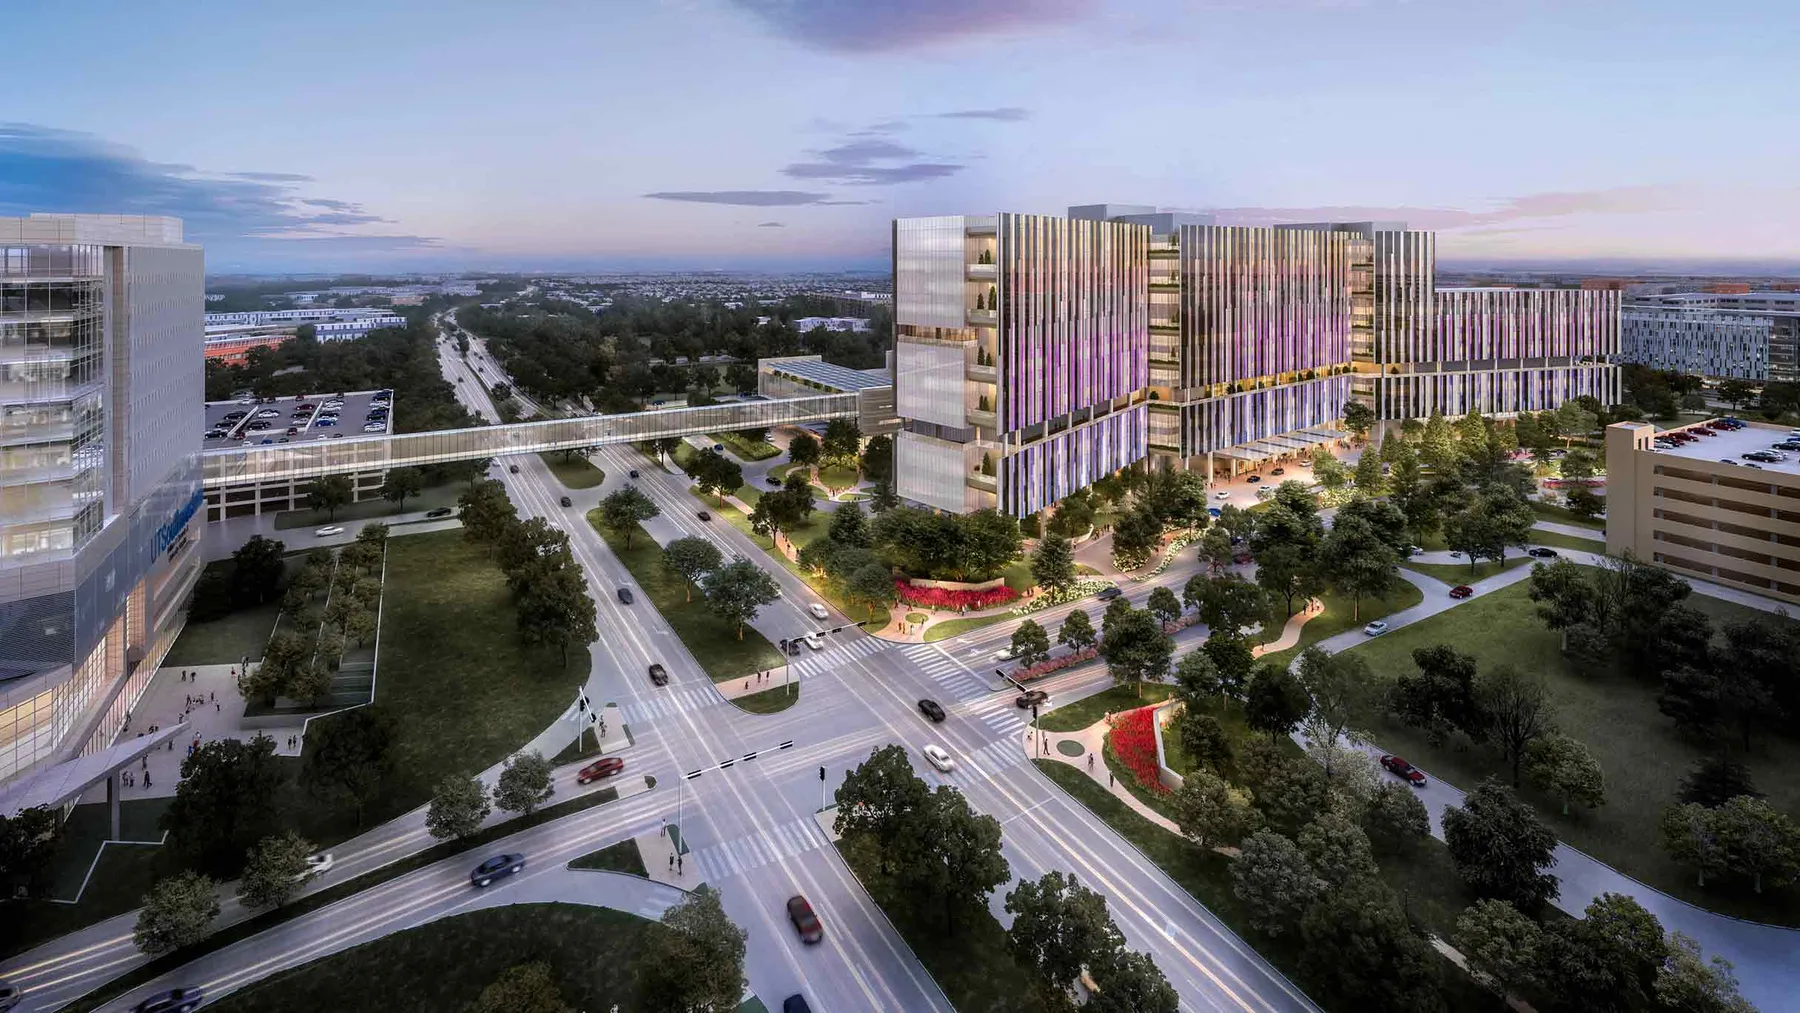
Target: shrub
946,598
1057,664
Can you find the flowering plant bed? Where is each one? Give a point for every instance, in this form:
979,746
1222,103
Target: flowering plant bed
1173,549
1069,660
1079,589
1182,622
1133,741
944,598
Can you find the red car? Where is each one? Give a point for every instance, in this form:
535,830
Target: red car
1704,432
606,766
805,922
1461,591
1406,770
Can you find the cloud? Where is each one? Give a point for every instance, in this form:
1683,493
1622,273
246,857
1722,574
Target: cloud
770,225
751,198
870,26
47,169
1624,200
854,163
1005,114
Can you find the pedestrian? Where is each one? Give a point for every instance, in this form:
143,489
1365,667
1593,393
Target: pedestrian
677,865
212,694
146,763
746,684
662,829
1090,763
1109,780
218,708
146,780
671,861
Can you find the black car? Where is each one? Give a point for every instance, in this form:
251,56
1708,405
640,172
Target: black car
805,921
625,597
497,867
795,1003
175,1000
634,473
659,675
1108,594
772,480
1540,552
1032,698
513,468
439,512
1253,479
566,501
931,709
1279,471
703,515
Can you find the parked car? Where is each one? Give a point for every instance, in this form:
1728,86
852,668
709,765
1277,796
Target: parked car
931,709
439,512
1032,698
1539,552
625,597
1412,774
497,867
772,480
329,530
795,1003
1278,471
1461,591
659,675
566,501
1109,593
1221,494
939,759
174,1000
1375,629
1253,479
814,641
606,766
805,921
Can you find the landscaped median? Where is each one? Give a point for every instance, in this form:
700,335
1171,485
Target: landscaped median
1340,614
574,471
710,638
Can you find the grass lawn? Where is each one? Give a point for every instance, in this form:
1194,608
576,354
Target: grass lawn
1206,876
746,448
816,528
1643,758
713,641
957,627
621,857
574,473
594,954
453,673
1563,515
1459,573
836,477
124,874
1018,575
1541,537
769,701
429,498
1089,709
225,640
1338,617
973,964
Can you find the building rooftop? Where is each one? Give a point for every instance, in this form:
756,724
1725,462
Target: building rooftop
1729,445
830,374
351,418
100,230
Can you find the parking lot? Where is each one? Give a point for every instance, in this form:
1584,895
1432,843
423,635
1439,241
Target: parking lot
1729,446
249,422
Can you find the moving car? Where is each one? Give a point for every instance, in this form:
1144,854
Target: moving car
10,995
817,610
795,1003
659,675
1461,591
513,468
566,501
718,448
174,1000
805,921
439,512
1412,774
931,709
1375,629
625,597
1109,593
1539,552
634,473
317,865
1253,479
1032,698
939,759
1222,494
606,766
814,641
1278,471
703,515
497,867
329,530
1004,654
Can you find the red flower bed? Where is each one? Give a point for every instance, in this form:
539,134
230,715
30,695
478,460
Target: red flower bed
1043,668
945,598
1133,739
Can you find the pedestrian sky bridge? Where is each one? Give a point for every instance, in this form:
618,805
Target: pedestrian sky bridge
278,462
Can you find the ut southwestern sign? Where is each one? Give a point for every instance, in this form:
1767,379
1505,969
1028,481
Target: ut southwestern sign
165,535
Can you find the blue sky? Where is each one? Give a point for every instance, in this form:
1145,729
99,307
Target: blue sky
786,133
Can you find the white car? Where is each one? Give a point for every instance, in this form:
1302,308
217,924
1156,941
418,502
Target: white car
1222,494
1004,654
329,530
818,611
939,759
814,641
317,865
1375,629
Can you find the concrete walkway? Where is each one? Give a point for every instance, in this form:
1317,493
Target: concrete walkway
1572,530
1091,761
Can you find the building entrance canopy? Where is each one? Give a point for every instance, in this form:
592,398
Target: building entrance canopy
62,784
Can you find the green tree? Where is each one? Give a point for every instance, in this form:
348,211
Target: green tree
1759,842
1394,818
881,802
1689,983
1713,779
524,784
625,509
1441,697
878,459
1197,680
1135,535
1369,480
1136,648
1690,834
1164,605
275,871
850,526
1227,604
1501,943
873,584
1210,811
1077,631
349,756
1059,928
1030,644
1216,549
1518,709
1341,688
329,492
1560,766
1355,560
1286,548
1437,447
843,441
698,962
738,590
486,512
962,863
554,607
1053,563
1232,660
226,800
256,569
1204,741
459,804
1328,471
804,449
1131,983
1500,847
1359,418
714,473
1357,943
522,988
990,540
693,558
1274,701
28,844
1337,849
176,912
402,483
1273,880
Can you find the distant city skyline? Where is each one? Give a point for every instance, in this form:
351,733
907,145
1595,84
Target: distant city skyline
786,134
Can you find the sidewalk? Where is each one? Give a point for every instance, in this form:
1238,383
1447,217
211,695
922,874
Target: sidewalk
1091,742
1290,631
1572,530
